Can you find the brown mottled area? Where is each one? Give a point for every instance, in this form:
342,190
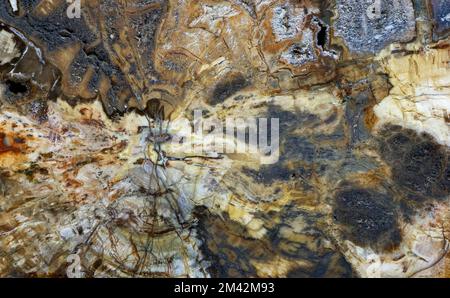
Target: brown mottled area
301,251
13,145
95,163
10,143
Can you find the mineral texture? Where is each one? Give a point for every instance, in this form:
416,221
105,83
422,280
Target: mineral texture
224,138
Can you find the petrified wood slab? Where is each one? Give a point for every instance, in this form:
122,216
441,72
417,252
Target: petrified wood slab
103,171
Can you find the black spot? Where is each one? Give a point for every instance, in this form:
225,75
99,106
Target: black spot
421,169
270,174
419,164
397,140
227,88
300,148
16,88
298,154
369,218
322,35
154,109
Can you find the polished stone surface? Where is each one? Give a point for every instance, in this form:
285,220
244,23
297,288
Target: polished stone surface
92,183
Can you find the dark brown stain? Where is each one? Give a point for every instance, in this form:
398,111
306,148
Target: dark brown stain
368,218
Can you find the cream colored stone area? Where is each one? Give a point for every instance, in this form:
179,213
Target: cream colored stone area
419,98
93,163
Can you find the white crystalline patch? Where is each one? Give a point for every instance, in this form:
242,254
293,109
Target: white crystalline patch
287,22
446,18
20,218
301,53
67,233
367,31
13,4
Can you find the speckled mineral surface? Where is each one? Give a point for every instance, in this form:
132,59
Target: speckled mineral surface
224,138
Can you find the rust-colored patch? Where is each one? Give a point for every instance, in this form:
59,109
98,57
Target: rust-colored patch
11,143
73,183
16,141
93,122
370,118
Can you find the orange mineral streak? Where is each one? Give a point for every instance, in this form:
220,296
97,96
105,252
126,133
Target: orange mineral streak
13,149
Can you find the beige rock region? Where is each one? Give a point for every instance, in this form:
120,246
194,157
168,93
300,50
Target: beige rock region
104,174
